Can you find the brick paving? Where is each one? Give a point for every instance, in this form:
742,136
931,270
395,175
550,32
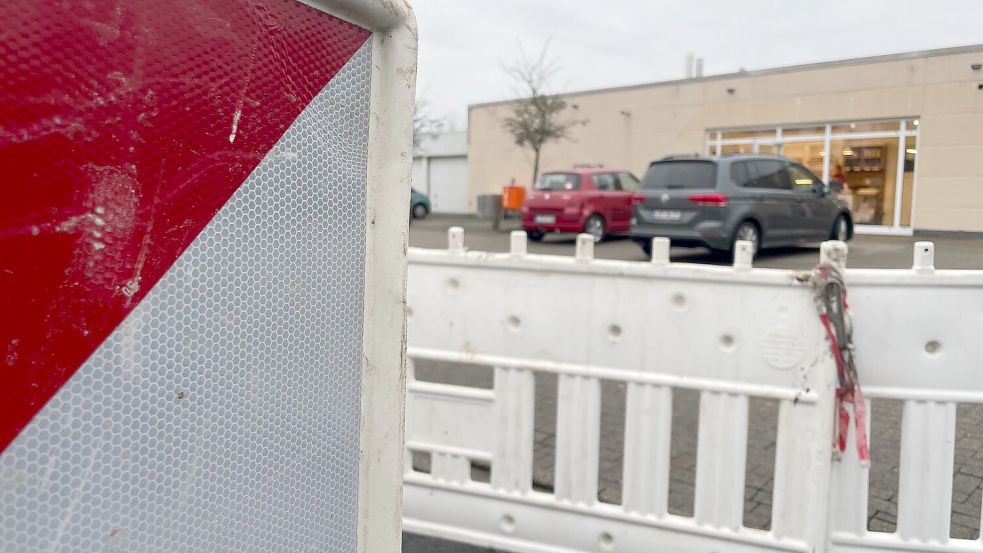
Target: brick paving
762,424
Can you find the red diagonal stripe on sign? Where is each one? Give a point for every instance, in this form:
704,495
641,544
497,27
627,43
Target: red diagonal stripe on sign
124,128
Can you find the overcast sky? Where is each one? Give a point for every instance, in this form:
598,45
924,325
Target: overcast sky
463,43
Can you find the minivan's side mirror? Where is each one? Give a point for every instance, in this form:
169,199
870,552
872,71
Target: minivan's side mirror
834,186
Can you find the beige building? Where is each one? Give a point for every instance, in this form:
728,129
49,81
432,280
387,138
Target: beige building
906,130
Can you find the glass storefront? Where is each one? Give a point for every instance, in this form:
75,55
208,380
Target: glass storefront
870,168
811,154
875,160
737,149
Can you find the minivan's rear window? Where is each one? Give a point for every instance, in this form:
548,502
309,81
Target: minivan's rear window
558,181
681,174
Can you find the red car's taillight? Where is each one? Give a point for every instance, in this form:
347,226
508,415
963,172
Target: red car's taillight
637,198
716,200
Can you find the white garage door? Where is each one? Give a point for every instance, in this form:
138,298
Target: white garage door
449,184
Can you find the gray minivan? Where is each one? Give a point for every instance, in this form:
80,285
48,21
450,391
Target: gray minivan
713,202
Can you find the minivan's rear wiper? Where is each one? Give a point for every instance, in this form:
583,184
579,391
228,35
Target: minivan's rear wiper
674,186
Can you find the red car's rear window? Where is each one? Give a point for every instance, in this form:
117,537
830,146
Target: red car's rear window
558,181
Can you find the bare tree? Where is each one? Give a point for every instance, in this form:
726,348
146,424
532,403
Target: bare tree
424,124
537,118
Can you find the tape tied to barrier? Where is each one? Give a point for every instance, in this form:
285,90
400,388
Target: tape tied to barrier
831,302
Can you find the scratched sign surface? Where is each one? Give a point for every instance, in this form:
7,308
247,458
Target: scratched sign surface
124,128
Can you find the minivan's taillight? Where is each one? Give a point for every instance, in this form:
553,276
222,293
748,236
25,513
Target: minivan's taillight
716,200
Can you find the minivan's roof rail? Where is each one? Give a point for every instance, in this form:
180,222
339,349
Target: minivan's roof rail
747,154
673,157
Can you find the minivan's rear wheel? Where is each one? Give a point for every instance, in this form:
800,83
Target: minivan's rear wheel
748,231
841,229
535,235
420,211
595,227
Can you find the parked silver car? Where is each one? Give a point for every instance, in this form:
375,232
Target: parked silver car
713,202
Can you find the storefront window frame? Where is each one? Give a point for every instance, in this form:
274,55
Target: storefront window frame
757,133
797,132
907,127
914,171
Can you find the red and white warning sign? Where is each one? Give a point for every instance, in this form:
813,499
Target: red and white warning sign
183,246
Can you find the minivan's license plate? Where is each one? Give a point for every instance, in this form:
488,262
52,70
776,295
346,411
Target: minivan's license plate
667,215
545,219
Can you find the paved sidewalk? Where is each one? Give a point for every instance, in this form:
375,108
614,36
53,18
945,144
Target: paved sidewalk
413,543
763,418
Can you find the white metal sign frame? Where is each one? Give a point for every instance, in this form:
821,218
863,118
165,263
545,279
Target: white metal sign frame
391,107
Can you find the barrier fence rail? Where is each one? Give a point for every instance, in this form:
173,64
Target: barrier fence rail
732,334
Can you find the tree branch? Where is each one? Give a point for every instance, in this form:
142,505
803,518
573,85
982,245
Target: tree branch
537,116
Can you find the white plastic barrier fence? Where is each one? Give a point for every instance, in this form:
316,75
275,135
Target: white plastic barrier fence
730,333
919,337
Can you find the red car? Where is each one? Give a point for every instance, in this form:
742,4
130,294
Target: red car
597,201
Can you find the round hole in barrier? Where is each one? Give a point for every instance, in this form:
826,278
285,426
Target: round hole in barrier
513,322
727,342
614,332
453,285
606,541
679,301
932,347
508,524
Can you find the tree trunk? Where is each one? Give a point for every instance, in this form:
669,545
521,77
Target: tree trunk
535,167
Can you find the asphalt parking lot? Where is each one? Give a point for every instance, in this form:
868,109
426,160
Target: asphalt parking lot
952,252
